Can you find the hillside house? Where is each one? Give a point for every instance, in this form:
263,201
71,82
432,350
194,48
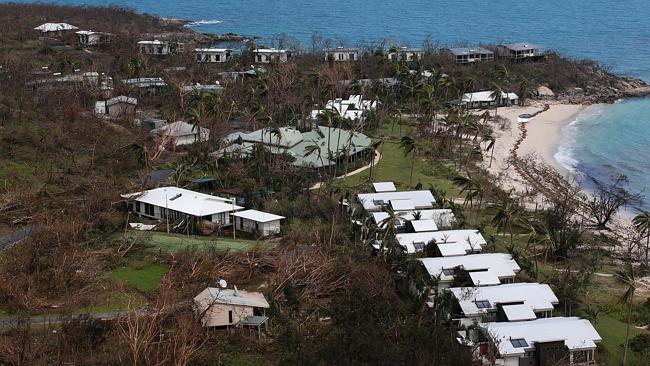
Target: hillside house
398,201
443,219
93,39
485,269
118,107
212,55
468,241
55,29
504,303
257,222
540,342
465,55
160,48
341,54
146,86
271,55
172,204
180,133
520,51
406,54
486,99
216,307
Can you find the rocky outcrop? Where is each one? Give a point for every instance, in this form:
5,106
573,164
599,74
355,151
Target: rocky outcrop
605,88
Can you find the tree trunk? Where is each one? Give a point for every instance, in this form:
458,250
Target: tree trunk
627,331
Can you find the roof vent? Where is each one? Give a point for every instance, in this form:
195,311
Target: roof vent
176,197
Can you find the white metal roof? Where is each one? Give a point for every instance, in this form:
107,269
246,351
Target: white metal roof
90,32
269,50
55,27
500,264
442,217
186,201
212,50
577,334
258,216
375,201
484,278
472,240
384,187
535,296
451,249
181,128
516,313
424,225
238,297
486,96
402,205
122,99
154,42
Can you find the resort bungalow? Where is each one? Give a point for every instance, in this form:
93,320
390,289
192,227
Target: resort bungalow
540,342
441,219
217,307
398,201
118,107
271,55
257,222
146,86
468,241
55,29
173,204
520,51
212,55
485,99
464,55
354,108
160,48
342,54
405,54
504,303
93,39
485,269
180,133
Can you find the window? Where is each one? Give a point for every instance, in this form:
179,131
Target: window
482,304
137,206
448,271
149,209
217,58
352,56
379,202
519,343
419,246
340,56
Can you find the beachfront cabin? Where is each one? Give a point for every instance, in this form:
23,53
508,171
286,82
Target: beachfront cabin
443,219
173,204
485,269
146,86
212,55
486,99
118,107
271,55
160,48
465,55
521,51
180,133
405,54
504,303
464,241
257,222
342,54
93,39
220,307
55,29
540,342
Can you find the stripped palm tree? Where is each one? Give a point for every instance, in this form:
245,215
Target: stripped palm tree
507,211
314,148
409,146
626,277
641,223
496,95
491,141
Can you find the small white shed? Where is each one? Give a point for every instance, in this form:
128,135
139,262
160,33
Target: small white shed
257,222
217,307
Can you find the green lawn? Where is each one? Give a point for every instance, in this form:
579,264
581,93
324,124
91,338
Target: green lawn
144,277
612,332
174,242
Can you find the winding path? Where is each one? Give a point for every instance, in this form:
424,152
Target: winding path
357,171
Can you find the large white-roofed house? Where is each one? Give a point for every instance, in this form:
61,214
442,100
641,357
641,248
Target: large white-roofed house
341,54
257,222
52,29
465,241
521,51
466,55
485,99
418,200
173,204
547,341
499,267
217,307
509,302
443,218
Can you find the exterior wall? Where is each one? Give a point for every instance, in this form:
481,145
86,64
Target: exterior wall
120,110
150,49
266,58
507,361
341,56
471,58
405,56
218,315
159,213
212,57
253,227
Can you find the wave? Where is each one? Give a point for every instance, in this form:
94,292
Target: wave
197,23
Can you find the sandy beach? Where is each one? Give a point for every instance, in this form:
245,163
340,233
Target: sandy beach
542,139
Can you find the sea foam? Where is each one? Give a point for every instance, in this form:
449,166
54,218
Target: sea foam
197,23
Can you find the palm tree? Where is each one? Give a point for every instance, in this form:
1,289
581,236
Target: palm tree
641,223
409,146
507,210
627,278
389,225
496,95
314,149
466,185
491,141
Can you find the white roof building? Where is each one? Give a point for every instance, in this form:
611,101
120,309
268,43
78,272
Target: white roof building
443,218
258,222
384,187
218,307
55,27
469,240
424,225
184,201
181,133
484,99
518,301
497,265
416,199
516,340
258,216
353,108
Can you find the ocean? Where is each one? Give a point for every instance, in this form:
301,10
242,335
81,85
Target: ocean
604,141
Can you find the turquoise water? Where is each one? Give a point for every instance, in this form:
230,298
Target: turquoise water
605,140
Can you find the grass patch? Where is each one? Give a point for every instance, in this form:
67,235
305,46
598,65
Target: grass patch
144,278
612,332
163,242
